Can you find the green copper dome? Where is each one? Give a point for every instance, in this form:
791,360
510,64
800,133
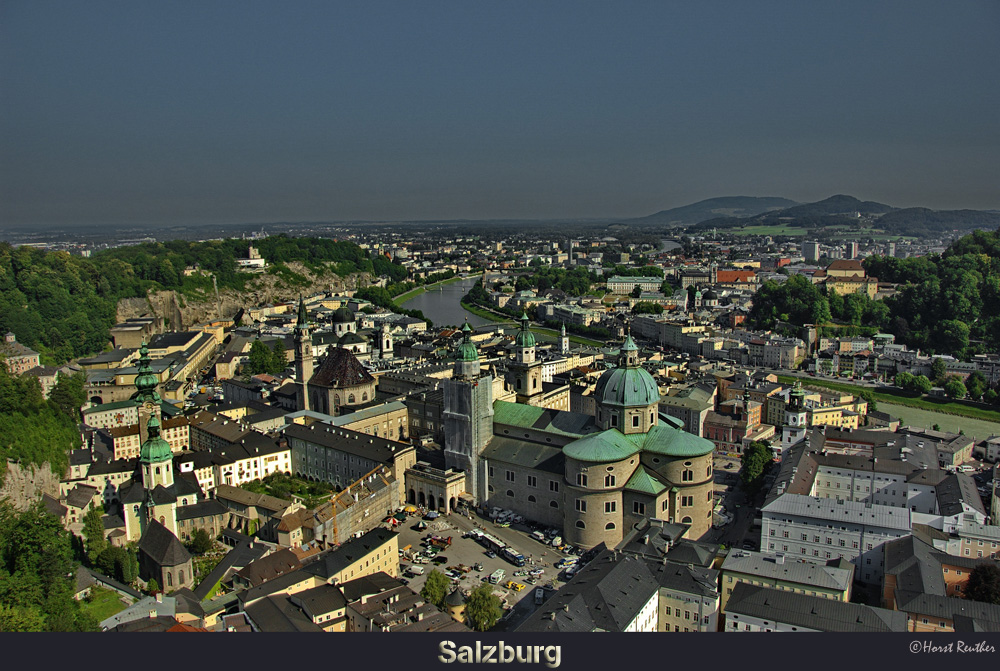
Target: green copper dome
343,316
524,337
145,380
627,388
673,442
467,350
602,448
155,449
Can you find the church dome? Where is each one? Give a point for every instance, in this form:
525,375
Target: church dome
524,337
155,449
710,295
627,388
467,350
343,316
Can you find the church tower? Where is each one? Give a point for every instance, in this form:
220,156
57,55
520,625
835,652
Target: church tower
157,469
563,341
385,341
468,416
795,419
303,357
526,368
145,392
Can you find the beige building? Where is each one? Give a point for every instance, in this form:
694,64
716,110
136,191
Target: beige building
832,580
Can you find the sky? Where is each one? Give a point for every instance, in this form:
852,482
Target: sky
195,112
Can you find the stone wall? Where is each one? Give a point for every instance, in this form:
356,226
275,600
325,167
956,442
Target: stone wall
24,485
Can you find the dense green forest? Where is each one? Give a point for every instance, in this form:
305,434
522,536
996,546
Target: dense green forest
34,430
37,570
63,306
945,304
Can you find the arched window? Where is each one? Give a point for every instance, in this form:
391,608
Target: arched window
489,488
180,577
510,493
609,526
170,579
350,398
553,504
157,470
580,524
163,521
364,396
686,520
531,498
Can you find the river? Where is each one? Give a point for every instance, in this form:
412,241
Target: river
442,304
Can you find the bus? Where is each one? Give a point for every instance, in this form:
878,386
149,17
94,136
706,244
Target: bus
513,556
492,543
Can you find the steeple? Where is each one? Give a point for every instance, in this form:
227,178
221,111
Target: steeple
145,379
467,361
302,321
155,449
629,354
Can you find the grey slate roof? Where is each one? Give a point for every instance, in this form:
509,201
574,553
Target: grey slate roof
270,567
526,454
605,595
368,585
278,613
767,565
333,562
320,600
359,444
162,546
986,615
810,612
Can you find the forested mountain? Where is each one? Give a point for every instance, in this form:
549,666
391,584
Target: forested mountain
726,206
947,304
843,212
64,306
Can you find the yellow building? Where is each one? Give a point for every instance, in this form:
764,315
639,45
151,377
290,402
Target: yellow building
829,581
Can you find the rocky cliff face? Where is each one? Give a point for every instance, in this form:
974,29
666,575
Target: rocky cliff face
183,311
24,485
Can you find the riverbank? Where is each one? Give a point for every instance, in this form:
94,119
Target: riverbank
902,398
551,334
413,293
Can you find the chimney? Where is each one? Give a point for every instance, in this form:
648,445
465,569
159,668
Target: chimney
159,597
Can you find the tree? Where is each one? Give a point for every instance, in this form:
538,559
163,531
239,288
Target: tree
279,361
201,542
976,384
482,608
938,370
904,380
21,618
955,388
636,291
984,584
152,586
93,530
991,397
921,384
754,460
869,397
436,587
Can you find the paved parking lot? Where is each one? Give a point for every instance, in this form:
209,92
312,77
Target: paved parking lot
469,551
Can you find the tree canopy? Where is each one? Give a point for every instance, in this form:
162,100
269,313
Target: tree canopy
482,608
435,588
984,584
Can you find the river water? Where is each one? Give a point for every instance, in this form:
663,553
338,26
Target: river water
442,305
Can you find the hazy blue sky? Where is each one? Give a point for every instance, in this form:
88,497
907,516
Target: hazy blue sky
190,111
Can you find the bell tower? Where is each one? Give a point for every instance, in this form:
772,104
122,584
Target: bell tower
303,357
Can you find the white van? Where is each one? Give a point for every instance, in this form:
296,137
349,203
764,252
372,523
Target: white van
538,536
497,576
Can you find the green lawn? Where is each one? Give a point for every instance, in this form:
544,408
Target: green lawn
103,603
977,428
903,398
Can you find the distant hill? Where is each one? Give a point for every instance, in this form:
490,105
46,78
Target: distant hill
839,204
842,212
726,206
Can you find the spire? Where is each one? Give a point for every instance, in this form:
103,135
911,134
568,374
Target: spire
145,380
467,350
302,321
562,331
155,449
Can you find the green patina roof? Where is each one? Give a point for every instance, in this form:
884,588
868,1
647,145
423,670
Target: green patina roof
671,442
111,406
467,350
155,449
604,447
562,422
642,481
524,337
628,387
